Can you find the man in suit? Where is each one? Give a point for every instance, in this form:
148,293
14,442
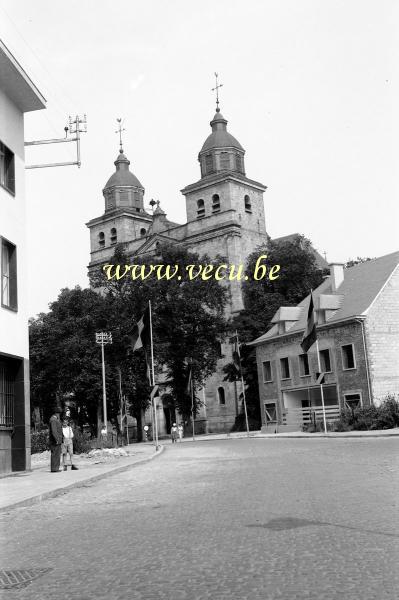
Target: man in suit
55,439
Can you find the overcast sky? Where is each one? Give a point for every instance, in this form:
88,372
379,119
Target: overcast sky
310,89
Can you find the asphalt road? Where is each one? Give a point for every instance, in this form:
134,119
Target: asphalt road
235,519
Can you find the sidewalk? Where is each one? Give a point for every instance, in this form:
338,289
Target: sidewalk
27,488
294,434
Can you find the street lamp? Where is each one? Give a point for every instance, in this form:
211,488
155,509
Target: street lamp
104,338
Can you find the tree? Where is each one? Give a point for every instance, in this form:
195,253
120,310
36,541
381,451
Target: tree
299,273
356,261
188,316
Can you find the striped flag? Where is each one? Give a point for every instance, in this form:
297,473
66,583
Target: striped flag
141,336
309,336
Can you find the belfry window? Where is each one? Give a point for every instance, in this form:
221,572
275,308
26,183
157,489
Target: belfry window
114,236
101,239
221,396
238,163
247,202
215,203
208,164
224,161
200,209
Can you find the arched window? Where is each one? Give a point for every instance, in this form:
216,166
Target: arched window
200,209
143,232
215,203
221,396
114,236
101,239
247,202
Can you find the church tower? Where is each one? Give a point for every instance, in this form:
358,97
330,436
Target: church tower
225,212
124,219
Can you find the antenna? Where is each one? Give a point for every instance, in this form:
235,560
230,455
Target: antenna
76,127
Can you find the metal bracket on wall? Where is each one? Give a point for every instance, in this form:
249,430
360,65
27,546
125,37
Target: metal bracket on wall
76,127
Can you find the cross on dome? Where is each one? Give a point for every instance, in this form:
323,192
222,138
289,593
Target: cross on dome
119,130
216,89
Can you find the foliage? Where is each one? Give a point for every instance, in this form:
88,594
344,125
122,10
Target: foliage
81,441
299,274
356,261
241,424
385,416
39,441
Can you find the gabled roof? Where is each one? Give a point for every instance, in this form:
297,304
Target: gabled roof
360,287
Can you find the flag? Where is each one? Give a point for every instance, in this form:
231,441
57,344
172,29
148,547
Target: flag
141,336
309,335
189,380
237,356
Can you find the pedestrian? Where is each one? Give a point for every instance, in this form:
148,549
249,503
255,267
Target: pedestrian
104,436
67,443
180,431
55,438
173,433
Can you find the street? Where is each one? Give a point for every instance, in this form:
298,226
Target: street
221,519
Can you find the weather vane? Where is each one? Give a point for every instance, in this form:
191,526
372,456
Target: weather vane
119,130
216,89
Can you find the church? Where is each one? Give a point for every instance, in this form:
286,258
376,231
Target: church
224,216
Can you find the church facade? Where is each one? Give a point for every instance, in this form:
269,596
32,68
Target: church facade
224,216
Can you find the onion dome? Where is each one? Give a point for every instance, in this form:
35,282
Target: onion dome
123,189
221,151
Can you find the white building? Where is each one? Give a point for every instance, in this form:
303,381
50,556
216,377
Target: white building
18,95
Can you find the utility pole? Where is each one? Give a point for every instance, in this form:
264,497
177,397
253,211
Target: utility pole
103,338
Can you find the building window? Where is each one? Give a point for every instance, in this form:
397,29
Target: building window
7,395
114,236
215,203
8,275
353,401
285,368
304,365
270,413
238,163
267,371
224,161
7,168
101,239
247,202
208,163
325,361
143,232
348,357
200,209
221,396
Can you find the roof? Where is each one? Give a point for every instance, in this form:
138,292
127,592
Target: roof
17,84
122,175
360,287
292,237
220,137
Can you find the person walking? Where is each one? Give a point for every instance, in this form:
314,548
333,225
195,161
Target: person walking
67,442
173,433
180,431
55,438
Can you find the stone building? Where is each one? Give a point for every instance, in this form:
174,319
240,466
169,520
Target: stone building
357,316
18,95
224,216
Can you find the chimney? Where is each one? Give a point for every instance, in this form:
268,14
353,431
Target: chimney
336,275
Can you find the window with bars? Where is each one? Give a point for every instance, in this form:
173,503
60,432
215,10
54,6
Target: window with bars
7,168
114,236
101,239
7,396
200,209
8,275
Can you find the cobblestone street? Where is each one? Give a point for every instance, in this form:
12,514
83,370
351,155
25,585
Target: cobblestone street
236,519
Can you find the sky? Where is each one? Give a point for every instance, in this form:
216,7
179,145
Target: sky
310,89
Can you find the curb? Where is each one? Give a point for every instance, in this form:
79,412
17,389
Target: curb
57,492
284,436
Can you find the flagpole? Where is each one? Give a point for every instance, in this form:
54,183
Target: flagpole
321,387
192,401
243,386
153,379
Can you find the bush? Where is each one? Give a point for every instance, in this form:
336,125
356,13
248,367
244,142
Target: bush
39,441
81,441
241,425
385,416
